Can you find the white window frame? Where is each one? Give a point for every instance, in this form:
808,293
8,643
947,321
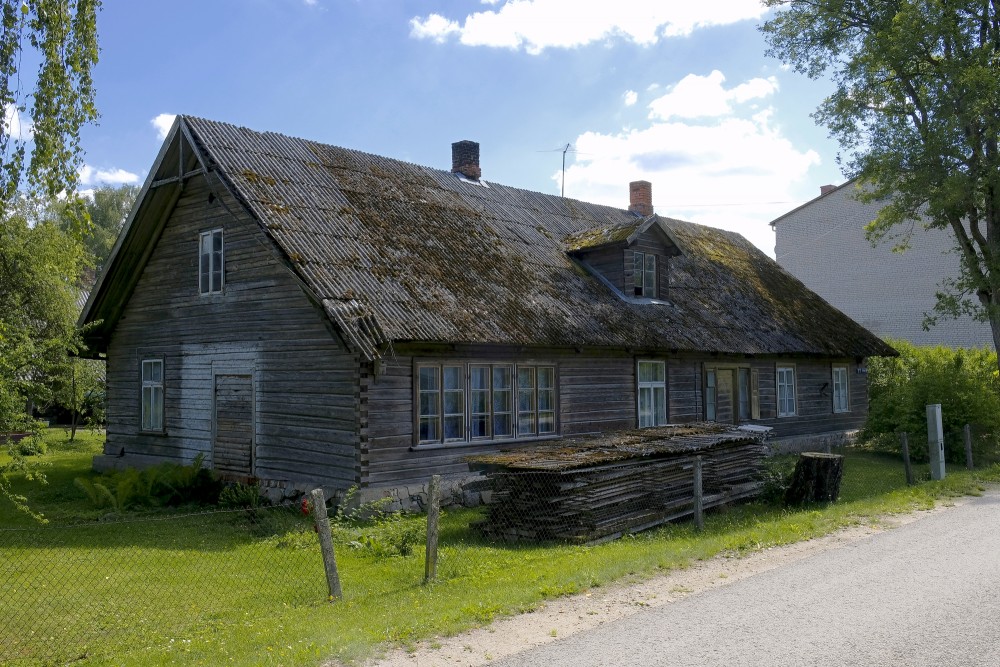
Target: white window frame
519,400
644,274
841,390
151,403
652,417
211,264
784,390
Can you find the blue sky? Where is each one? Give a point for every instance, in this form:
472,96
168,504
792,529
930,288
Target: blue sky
677,93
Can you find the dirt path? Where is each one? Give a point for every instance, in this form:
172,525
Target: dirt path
569,615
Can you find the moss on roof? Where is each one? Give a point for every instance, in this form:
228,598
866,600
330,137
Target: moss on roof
422,255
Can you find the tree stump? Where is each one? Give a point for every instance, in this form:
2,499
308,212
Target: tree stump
817,478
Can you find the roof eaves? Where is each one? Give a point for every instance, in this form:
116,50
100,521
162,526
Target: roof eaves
810,202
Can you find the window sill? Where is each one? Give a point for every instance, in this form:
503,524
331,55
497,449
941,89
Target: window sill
467,444
161,434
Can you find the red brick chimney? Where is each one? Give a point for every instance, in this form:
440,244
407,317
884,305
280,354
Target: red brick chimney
826,189
465,159
641,198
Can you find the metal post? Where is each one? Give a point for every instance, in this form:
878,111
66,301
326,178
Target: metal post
906,459
699,514
935,441
326,544
433,514
967,433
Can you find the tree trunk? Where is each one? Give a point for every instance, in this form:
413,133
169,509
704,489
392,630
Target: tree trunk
817,479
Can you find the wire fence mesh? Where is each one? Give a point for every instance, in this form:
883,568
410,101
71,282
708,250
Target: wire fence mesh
72,591
66,589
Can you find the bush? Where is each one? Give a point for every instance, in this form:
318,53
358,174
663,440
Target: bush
165,484
30,446
964,382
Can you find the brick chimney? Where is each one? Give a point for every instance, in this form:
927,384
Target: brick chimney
641,198
826,189
465,159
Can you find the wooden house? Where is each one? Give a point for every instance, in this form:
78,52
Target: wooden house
305,314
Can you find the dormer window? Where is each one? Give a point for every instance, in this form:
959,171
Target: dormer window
644,274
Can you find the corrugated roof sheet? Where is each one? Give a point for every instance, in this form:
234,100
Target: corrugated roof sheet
401,252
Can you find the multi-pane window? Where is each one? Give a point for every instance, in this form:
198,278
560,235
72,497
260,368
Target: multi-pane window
210,262
652,390
840,389
786,390
459,403
644,274
430,403
711,395
454,403
152,395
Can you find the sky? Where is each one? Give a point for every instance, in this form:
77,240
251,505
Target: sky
677,93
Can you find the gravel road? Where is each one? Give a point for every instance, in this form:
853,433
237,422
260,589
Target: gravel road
926,593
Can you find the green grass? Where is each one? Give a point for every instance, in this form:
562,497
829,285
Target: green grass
217,590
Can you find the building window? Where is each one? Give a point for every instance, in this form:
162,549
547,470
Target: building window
840,389
786,391
711,395
152,395
644,274
475,402
652,393
211,261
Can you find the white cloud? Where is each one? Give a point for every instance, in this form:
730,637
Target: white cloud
697,96
536,25
630,97
737,172
162,123
91,176
435,27
16,125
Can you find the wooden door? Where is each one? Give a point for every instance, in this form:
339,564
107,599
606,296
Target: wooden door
232,447
726,401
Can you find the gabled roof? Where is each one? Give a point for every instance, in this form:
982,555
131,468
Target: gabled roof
400,252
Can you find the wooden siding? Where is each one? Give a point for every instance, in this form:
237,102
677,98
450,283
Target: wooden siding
596,392
814,403
306,384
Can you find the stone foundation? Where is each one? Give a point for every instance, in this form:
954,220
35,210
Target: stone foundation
456,491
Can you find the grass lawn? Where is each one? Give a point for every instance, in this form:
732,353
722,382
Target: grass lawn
164,588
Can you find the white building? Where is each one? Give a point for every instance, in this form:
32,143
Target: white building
823,244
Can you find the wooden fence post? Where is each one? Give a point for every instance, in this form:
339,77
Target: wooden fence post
906,459
433,514
699,514
967,433
326,543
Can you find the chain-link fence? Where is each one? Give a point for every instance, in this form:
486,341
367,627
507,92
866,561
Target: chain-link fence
71,591
66,589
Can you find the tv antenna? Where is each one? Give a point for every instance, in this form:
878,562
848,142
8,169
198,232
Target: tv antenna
565,150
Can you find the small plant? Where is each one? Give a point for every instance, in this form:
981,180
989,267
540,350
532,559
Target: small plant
30,446
241,496
776,477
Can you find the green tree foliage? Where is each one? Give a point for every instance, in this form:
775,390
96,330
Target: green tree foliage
107,210
916,110
964,382
46,111
39,265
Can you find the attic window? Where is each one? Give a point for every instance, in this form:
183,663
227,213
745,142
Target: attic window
211,271
644,274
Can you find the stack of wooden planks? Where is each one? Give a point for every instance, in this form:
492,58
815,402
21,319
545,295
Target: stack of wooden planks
596,488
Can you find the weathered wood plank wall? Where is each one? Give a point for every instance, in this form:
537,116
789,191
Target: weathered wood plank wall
306,384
